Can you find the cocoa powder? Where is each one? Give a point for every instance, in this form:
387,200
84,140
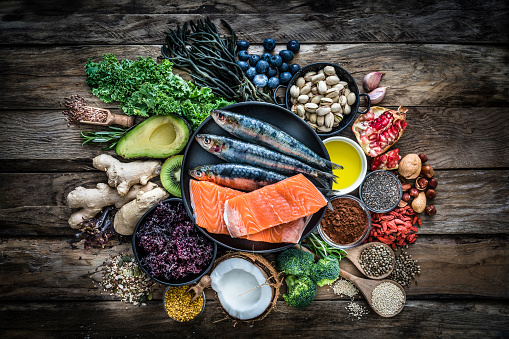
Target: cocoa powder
346,223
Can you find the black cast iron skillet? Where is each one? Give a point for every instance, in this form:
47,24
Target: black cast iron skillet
195,156
343,76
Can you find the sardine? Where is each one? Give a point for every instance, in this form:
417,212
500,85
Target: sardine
237,151
262,133
237,176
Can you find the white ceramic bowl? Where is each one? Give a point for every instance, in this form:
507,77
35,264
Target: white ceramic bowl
364,163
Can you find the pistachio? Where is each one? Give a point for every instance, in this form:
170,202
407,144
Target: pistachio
309,75
294,109
322,87
329,70
300,111
300,82
310,107
329,120
347,109
346,92
323,110
350,98
318,77
294,91
336,108
320,120
344,83
314,90
338,118
312,118
335,99
316,99
303,98
342,100
324,129
321,71
332,92
339,87
332,80
326,101
313,126
305,90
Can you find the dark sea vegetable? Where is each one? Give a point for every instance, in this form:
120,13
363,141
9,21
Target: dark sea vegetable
170,245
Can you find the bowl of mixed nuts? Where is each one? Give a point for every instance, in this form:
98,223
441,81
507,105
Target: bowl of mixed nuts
326,96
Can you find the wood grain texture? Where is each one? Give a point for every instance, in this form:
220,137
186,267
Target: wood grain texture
419,319
56,269
440,75
306,21
451,137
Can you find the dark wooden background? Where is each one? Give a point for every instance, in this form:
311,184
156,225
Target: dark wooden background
447,61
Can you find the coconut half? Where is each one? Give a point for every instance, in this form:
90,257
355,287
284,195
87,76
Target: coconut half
237,284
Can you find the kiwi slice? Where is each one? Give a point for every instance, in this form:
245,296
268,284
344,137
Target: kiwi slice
170,175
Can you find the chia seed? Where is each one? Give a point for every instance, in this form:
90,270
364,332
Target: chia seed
381,191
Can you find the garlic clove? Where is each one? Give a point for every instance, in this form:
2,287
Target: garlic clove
371,80
377,94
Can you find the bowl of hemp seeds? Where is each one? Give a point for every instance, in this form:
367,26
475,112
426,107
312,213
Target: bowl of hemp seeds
381,191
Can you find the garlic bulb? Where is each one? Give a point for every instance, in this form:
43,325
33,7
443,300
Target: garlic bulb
371,80
377,94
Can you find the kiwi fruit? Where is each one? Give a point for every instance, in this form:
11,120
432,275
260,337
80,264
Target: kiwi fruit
170,175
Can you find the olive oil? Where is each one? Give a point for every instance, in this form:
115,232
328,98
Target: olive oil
344,154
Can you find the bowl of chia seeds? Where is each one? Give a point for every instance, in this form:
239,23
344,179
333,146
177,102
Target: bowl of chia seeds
381,191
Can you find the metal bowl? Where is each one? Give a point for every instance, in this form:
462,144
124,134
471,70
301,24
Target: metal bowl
343,76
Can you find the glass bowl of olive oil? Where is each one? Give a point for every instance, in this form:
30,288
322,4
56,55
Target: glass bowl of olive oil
347,153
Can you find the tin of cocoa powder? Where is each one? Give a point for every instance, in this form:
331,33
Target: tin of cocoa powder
348,225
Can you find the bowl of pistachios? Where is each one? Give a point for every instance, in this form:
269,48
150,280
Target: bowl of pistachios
326,96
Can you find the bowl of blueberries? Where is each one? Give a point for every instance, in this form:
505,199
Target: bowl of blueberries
270,69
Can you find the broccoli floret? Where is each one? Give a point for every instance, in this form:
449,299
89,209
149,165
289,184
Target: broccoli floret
325,271
295,262
301,291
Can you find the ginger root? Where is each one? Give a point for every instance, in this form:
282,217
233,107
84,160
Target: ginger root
124,175
93,200
129,214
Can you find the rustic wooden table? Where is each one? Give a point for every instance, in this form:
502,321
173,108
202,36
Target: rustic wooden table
446,61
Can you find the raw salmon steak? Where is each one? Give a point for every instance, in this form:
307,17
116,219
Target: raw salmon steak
207,200
272,205
289,232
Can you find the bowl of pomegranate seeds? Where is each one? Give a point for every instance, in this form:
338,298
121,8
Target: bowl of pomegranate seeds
168,246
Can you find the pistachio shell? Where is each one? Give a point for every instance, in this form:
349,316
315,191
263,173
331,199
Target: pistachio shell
314,90
318,77
347,109
303,98
323,110
312,118
332,92
329,120
311,107
309,75
324,129
300,111
305,90
320,120
342,100
336,108
332,80
316,99
326,101
346,92
322,87
344,83
350,98
338,86
294,91
329,70
300,82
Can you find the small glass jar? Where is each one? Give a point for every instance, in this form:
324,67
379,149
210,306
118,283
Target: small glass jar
165,310
393,178
358,241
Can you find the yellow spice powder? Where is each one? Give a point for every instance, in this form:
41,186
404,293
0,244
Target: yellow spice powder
178,306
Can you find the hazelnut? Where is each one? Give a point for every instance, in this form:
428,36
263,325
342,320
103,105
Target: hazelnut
427,171
413,192
421,183
431,210
405,196
423,157
431,194
410,166
405,186
432,183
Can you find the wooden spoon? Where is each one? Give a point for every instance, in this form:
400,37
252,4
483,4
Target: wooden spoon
112,119
355,253
366,286
204,282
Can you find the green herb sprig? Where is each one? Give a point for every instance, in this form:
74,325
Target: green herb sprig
322,249
101,138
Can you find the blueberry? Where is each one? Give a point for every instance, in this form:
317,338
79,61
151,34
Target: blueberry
243,55
266,56
242,45
261,67
253,59
294,68
286,55
260,80
271,72
285,77
293,45
284,67
269,44
243,65
276,60
273,82
250,73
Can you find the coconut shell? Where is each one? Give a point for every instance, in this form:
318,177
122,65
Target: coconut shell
270,273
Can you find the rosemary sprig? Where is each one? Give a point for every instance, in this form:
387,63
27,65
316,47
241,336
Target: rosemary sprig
210,60
322,249
110,137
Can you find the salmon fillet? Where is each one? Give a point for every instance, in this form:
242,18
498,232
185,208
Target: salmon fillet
207,201
272,205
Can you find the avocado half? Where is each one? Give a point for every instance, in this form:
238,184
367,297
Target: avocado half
160,136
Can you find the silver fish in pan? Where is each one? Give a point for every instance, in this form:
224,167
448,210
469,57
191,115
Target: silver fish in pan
237,176
237,151
265,134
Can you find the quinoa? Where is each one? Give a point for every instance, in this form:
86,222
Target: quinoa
387,298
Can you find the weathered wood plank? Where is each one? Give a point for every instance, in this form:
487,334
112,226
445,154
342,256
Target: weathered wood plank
468,202
419,319
323,21
451,137
53,269
418,75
